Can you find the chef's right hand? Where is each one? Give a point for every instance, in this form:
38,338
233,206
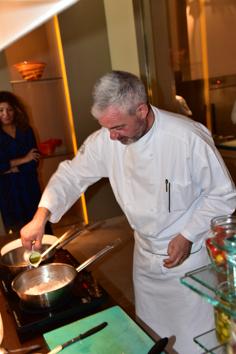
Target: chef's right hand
32,233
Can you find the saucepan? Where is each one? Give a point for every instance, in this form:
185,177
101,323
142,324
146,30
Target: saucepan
13,253
47,285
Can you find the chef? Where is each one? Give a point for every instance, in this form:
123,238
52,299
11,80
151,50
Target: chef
169,180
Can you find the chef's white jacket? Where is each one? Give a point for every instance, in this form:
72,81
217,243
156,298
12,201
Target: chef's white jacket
171,181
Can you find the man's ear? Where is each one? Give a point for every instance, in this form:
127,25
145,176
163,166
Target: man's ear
142,111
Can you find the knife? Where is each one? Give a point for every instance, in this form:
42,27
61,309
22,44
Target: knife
91,331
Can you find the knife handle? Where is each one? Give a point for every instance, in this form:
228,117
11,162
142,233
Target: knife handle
159,346
55,350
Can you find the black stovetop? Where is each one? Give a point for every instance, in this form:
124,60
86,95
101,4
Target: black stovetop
86,296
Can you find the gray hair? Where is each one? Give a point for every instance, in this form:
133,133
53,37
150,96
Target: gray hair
118,89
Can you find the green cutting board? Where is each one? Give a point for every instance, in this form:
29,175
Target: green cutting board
121,336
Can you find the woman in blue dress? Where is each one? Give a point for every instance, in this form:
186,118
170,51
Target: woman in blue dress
19,186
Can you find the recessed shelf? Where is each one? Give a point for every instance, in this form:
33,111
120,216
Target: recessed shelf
57,155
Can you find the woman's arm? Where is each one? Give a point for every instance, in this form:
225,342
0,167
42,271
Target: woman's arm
33,154
27,151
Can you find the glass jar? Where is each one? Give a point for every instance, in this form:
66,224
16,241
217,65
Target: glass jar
224,240
219,230
222,317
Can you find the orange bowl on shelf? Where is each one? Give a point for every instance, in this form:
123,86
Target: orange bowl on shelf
30,70
48,147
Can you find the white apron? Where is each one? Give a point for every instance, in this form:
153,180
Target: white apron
167,306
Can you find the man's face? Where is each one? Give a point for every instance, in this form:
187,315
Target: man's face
124,127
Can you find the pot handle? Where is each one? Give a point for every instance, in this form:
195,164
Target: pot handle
65,236
79,231
98,255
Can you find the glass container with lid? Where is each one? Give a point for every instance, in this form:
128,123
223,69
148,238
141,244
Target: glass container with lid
224,240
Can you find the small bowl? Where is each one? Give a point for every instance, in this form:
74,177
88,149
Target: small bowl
48,147
30,70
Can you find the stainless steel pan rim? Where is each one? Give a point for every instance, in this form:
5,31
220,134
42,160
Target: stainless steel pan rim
14,260
43,275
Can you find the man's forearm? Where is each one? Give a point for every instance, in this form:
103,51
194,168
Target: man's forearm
42,215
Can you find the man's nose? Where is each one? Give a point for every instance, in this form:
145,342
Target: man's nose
114,135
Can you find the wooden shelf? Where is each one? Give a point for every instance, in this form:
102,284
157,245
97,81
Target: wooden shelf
57,155
35,81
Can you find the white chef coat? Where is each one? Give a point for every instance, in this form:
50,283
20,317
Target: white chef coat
171,181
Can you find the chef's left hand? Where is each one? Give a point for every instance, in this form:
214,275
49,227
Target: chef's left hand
178,250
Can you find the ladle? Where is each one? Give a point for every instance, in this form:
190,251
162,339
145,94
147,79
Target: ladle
23,349
35,258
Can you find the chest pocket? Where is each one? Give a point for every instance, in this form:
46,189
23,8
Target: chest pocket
180,196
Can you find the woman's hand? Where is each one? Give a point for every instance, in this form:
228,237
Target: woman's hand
33,154
14,169
178,251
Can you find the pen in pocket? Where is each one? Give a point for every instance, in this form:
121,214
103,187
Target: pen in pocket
167,183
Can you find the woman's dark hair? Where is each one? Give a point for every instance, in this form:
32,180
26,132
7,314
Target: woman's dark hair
21,118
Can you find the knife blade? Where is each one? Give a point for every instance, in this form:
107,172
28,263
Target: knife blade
88,333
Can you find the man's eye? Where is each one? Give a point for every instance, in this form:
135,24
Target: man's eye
118,128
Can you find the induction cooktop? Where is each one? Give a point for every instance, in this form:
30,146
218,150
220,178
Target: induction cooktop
85,298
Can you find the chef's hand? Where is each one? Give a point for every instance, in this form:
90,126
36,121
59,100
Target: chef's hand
32,233
178,250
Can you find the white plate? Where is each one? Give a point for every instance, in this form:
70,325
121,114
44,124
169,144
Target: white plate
48,239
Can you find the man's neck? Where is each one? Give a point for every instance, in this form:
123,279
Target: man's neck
150,120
